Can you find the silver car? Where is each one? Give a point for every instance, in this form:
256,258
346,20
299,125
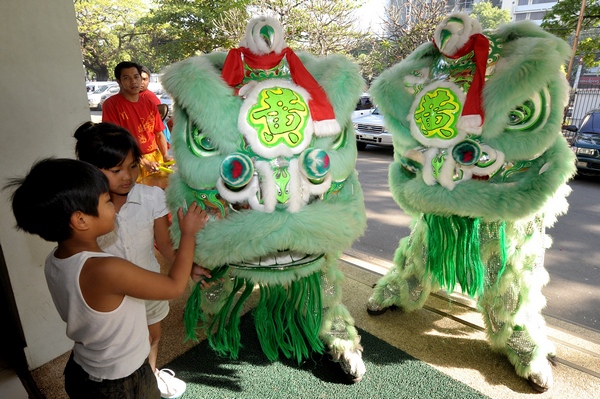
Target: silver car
370,129
102,92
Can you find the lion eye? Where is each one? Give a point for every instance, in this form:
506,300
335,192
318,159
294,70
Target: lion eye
340,140
198,142
531,114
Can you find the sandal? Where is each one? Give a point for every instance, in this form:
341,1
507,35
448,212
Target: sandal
169,386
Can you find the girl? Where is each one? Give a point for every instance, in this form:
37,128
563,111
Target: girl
141,213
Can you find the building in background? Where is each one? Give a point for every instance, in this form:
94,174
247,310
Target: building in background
533,10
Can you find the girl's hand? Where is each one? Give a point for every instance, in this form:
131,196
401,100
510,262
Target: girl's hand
193,221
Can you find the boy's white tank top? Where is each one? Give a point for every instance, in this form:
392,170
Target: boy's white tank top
108,345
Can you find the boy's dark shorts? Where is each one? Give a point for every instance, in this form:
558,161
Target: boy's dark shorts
141,384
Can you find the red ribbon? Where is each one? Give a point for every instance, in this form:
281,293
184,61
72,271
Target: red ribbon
233,74
480,46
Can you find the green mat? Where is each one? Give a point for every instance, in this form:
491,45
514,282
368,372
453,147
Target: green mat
391,373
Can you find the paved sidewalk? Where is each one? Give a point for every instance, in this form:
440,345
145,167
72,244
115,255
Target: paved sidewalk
447,334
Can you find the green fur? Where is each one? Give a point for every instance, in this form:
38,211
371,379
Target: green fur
485,234
289,315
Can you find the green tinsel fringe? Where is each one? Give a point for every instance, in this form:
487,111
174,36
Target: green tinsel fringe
193,313
287,318
453,253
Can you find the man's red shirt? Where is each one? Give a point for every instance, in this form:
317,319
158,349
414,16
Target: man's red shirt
151,96
140,118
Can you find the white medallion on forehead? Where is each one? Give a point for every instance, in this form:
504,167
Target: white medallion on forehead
275,119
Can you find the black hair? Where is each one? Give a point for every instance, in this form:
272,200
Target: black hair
46,198
146,71
105,145
124,65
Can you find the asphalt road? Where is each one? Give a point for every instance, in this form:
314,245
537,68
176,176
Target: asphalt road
573,261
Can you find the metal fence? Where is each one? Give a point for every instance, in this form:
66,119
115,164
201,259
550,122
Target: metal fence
581,101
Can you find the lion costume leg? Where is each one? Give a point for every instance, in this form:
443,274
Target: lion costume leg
407,284
337,328
512,302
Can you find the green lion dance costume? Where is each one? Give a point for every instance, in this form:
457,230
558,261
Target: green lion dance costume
263,139
481,165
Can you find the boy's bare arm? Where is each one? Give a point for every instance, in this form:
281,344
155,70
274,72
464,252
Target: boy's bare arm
104,281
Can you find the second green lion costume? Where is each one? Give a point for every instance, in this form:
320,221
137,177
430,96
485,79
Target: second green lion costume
481,165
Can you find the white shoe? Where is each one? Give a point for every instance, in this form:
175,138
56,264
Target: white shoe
169,386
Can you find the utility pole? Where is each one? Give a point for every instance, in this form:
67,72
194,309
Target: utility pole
576,39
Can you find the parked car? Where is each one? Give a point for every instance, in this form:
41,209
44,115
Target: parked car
91,87
370,129
586,143
364,106
97,97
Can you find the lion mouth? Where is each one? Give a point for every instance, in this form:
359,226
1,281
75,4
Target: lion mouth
280,260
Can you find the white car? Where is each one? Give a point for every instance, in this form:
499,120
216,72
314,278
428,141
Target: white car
370,129
102,92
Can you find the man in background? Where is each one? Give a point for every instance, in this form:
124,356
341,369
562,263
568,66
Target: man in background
139,116
144,92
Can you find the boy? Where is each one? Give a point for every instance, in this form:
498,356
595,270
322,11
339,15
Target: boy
99,296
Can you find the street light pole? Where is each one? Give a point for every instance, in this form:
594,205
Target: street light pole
576,39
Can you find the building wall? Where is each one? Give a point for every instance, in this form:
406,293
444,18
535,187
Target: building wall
533,10
42,101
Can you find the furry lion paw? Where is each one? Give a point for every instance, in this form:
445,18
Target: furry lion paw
542,380
352,364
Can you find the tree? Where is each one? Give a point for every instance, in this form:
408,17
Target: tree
180,29
490,17
107,33
320,27
562,21
406,27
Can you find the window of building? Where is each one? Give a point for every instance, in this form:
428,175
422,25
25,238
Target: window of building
537,16
521,17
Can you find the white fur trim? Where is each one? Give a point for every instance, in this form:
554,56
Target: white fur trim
470,124
427,172
247,194
245,89
410,81
296,201
460,32
328,127
446,176
496,156
320,188
268,188
253,40
251,135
